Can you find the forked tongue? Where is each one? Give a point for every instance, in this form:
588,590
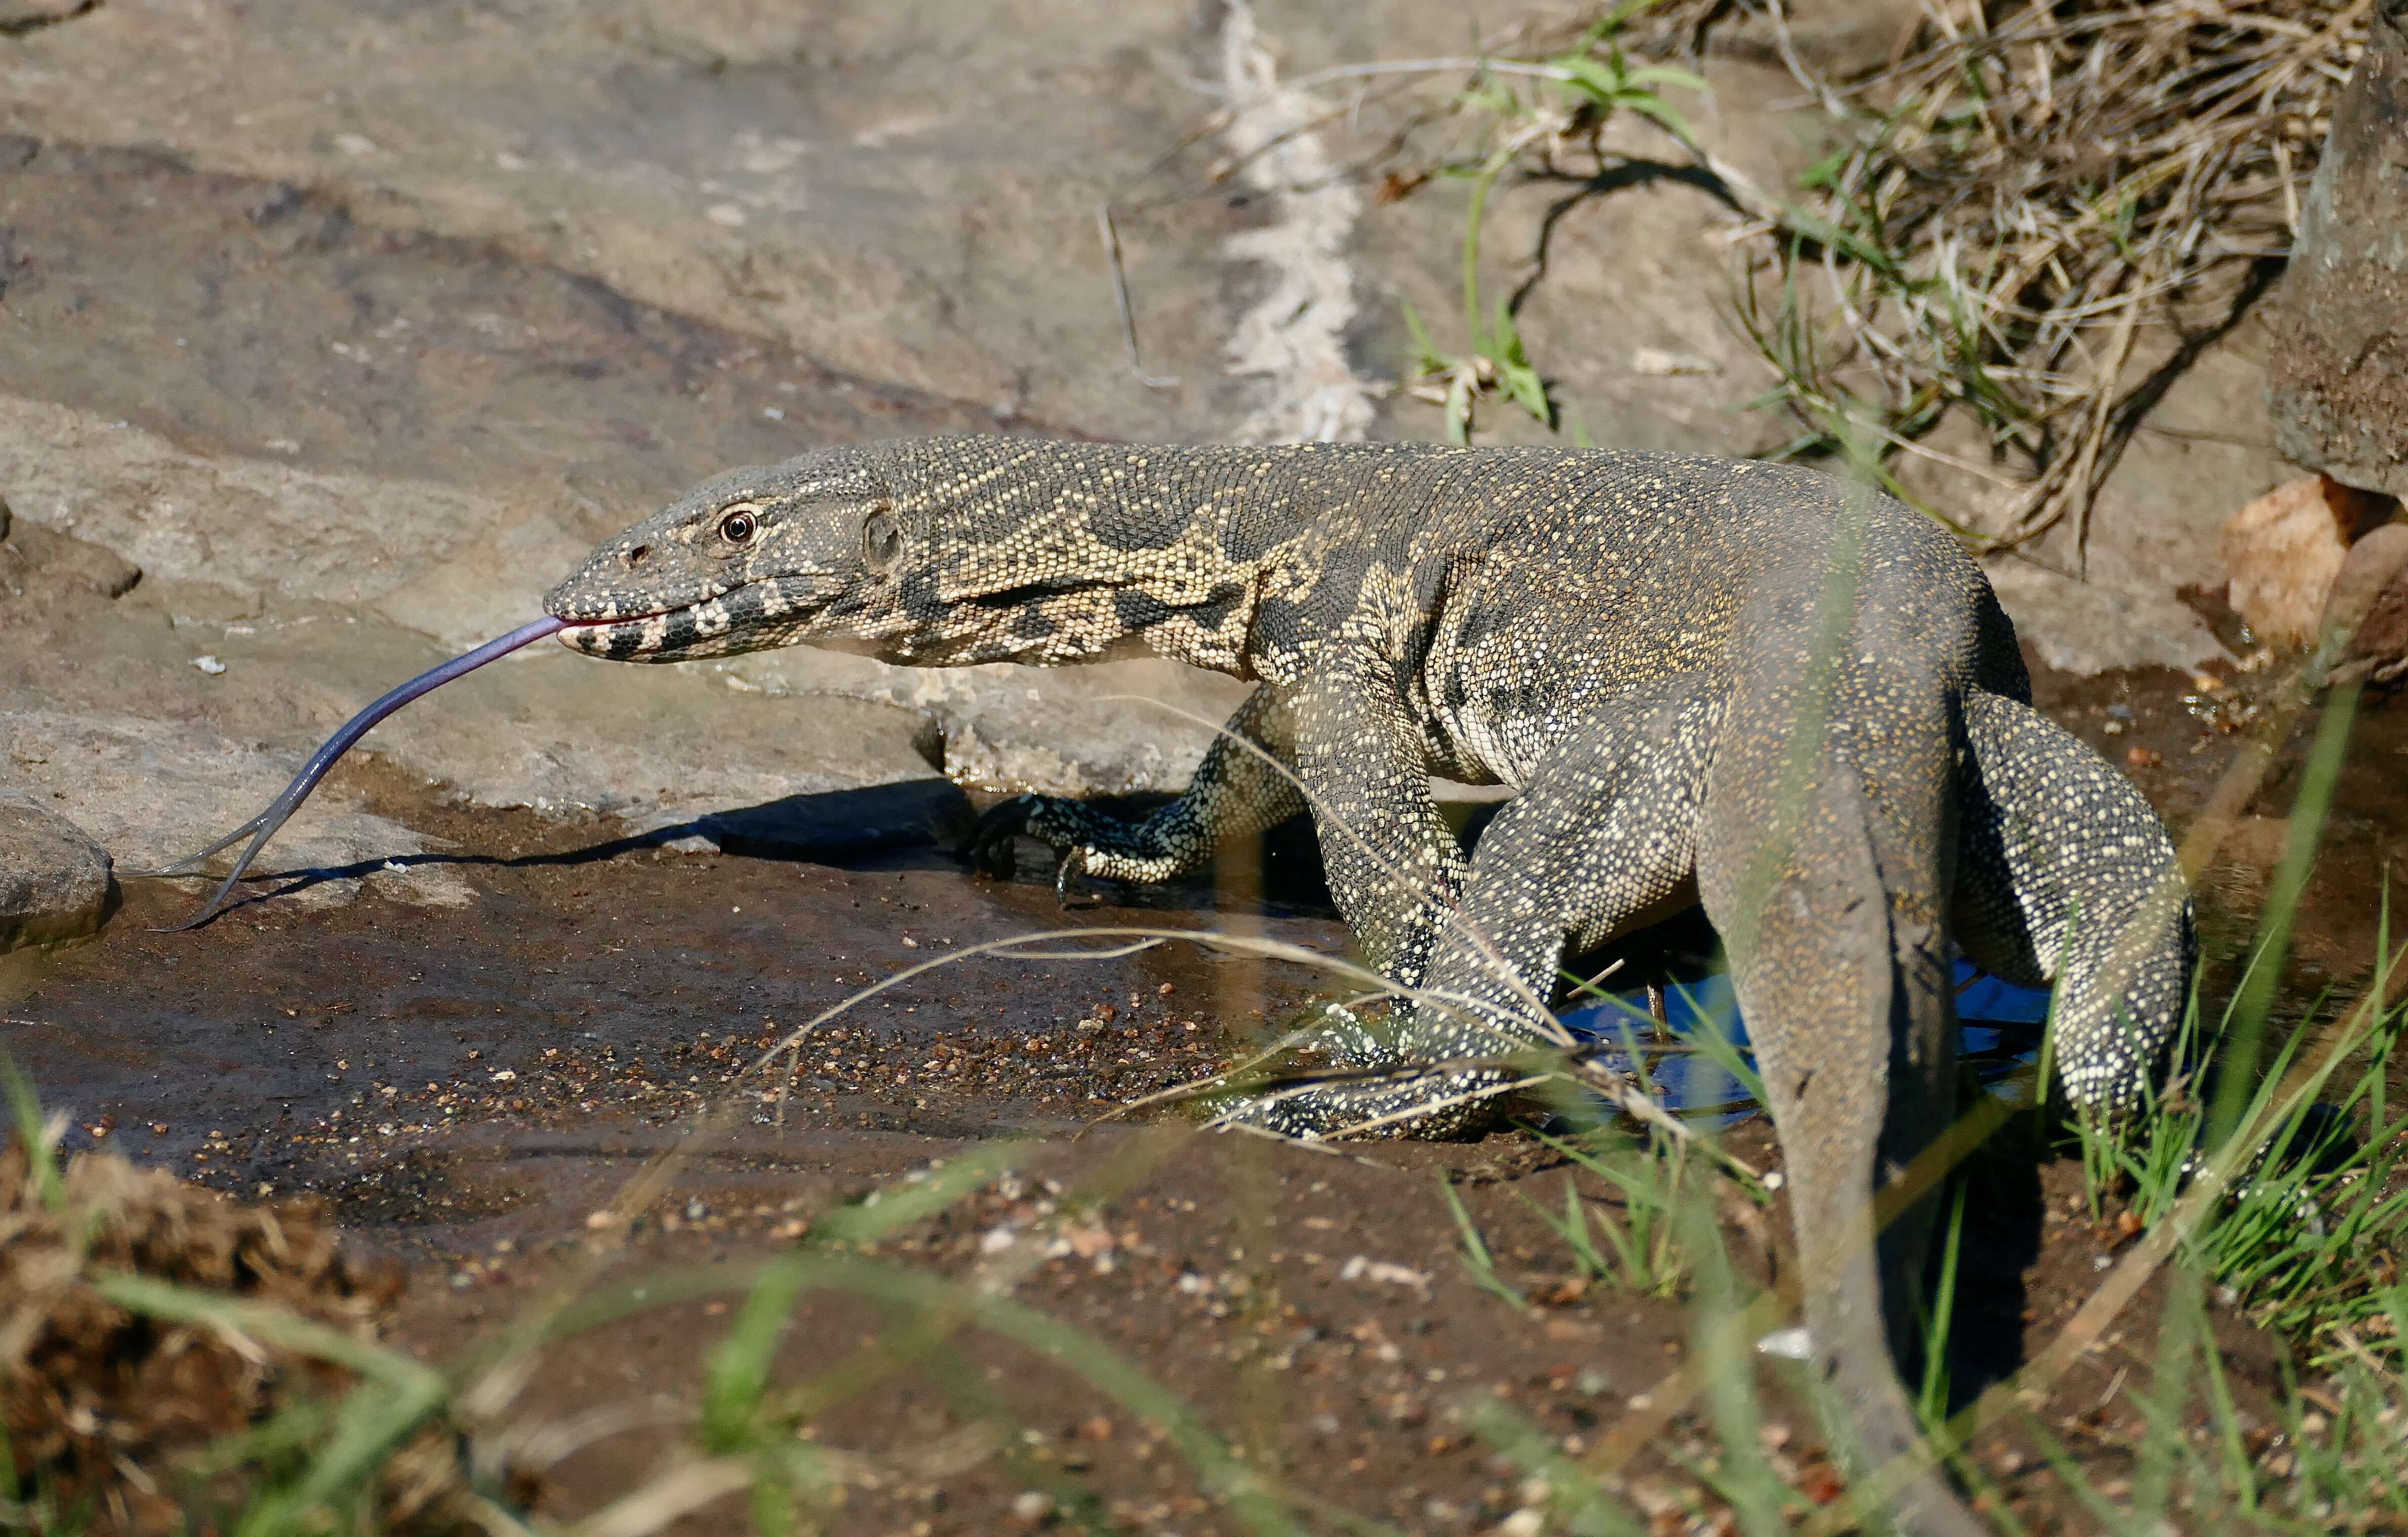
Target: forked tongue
262,827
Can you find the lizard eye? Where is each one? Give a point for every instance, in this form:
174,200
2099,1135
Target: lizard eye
739,524
881,541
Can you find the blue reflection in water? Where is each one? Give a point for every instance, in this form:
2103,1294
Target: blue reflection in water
1693,1083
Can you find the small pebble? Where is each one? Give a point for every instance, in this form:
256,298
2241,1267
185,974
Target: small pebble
210,665
1031,1506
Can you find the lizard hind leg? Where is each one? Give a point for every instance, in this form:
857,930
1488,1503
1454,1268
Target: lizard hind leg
2065,875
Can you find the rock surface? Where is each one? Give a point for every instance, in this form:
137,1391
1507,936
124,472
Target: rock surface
54,881
2364,627
2339,386
350,364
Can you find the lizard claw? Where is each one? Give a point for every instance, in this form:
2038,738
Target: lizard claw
1074,862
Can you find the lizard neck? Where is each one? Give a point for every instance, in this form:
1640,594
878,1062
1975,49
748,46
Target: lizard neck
1048,552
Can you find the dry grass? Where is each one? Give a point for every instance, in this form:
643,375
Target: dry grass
2039,214
167,1353
2031,191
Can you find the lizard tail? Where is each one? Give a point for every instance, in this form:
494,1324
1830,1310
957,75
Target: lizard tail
1830,900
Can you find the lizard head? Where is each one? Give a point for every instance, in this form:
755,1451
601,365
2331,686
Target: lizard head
756,558
929,551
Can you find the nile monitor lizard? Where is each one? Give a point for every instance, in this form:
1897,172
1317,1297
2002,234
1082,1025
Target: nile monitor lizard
1708,681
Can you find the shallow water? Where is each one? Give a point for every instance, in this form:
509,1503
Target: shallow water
2000,1023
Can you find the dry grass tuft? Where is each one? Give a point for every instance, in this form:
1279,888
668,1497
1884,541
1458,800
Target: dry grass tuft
2030,188
108,1411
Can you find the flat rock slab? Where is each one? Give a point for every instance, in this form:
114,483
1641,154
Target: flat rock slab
54,881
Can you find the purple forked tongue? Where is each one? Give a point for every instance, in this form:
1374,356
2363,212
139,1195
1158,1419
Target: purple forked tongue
262,827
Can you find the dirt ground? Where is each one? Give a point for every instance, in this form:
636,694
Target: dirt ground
471,1089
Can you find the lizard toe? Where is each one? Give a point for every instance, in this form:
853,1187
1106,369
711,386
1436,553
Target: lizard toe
1067,887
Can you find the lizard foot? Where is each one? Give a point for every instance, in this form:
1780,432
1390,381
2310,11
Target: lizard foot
1346,1038
1049,819
1086,841
1408,1102
1400,1099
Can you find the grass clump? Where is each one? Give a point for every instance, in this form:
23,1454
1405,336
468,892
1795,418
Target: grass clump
170,1359
2039,215
2034,217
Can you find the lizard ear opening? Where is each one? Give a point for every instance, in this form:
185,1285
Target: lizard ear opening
881,542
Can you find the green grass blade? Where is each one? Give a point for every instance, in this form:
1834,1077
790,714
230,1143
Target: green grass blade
25,1110
1475,1255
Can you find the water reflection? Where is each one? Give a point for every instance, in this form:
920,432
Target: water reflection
2000,1024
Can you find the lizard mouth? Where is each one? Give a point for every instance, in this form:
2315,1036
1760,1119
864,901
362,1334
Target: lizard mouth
744,619
624,639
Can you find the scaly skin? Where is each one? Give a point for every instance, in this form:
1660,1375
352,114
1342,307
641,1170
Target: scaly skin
1708,681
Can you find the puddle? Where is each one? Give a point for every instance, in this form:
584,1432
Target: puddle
2000,1031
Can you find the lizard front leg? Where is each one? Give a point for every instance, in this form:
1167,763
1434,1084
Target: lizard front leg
1246,783
1393,864
1601,843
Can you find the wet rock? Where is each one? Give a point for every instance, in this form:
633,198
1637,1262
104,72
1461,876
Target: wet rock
2284,549
155,790
54,881
2338,381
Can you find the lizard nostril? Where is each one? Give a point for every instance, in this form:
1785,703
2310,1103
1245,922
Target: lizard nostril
637,555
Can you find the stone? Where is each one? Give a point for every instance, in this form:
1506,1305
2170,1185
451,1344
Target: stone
2116,617
2282,550
37,561
55,883
2338,377
2364,628
156,790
